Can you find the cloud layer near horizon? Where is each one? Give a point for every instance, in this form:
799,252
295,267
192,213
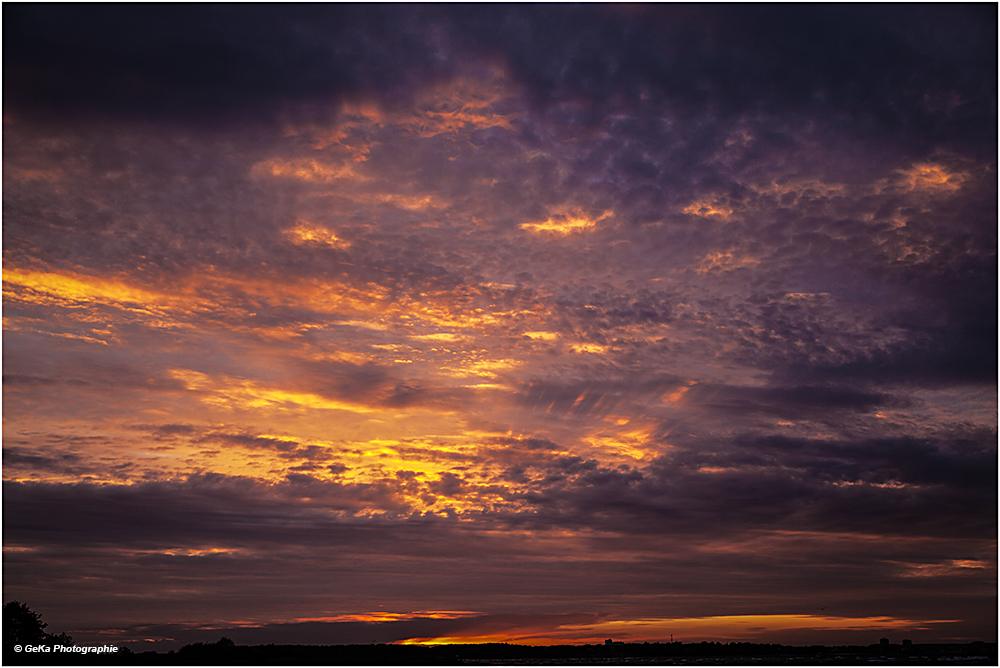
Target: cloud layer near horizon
562,317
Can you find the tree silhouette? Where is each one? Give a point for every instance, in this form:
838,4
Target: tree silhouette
24,626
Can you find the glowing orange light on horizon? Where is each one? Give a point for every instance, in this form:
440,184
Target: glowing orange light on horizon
692,629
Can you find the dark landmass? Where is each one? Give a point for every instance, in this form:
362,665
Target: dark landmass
735,653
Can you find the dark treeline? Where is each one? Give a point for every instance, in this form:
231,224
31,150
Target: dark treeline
225,652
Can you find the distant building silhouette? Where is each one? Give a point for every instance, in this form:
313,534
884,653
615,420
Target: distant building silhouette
883,641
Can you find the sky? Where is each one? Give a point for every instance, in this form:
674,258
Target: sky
501,323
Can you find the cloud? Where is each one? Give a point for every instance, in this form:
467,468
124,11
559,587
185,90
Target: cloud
788,402
884,485
596,309
17,457
187,541
281,62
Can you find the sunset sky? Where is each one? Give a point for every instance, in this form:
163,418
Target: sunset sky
528,323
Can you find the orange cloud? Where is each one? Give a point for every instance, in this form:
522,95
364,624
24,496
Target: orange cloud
391,616
306,233
932,178
567,222
193,296
460,105
725,261
710,207
308,169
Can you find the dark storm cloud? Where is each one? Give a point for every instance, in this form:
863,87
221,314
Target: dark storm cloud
945,301
284,448
895,72
943,356
18,457
63,456
957,461
209,64
865,76
952,333
209,508
896,485
769,498
801,402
